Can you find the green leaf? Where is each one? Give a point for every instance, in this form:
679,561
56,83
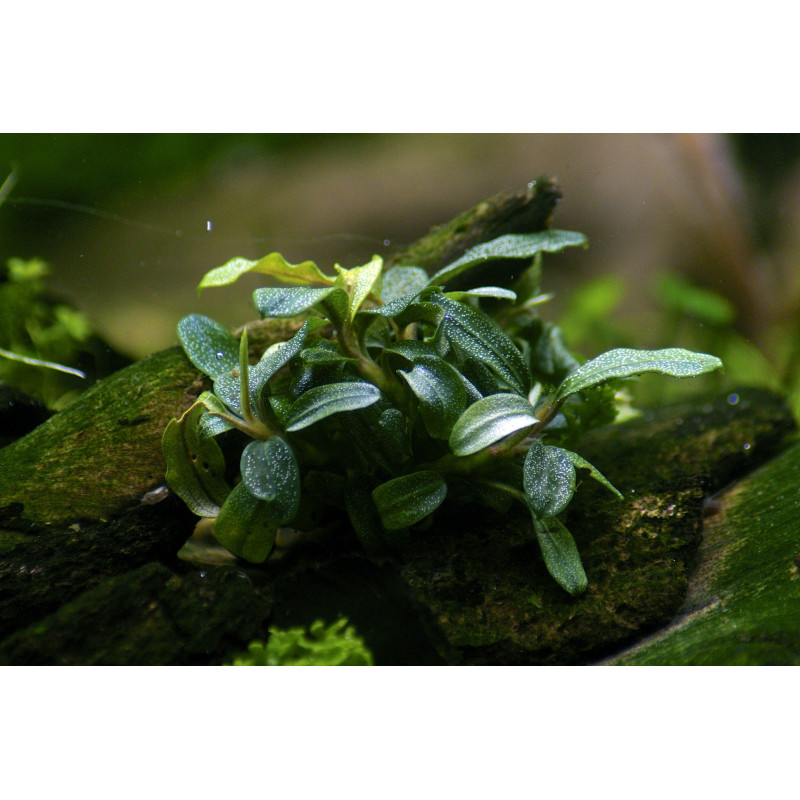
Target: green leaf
323,401
561,555
411,349
624,363
581,463
474,335
274,265
364,516
494,292
195,464
324,355
213,349
512,245
360,282
403,501
275,358
489,420
282,303
210,424
401,282
335,307
548,479
440,391
270,473
245,527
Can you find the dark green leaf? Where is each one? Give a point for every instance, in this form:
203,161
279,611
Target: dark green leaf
474,335
323,401
274,359
440,391
364,516
581,463
624,362
281,303
270,473
411,349
560,554
403,501
213,349
335,306
245,527
549,480
512,245
195,464
489,420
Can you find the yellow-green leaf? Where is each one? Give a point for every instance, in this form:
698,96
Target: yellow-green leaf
275,265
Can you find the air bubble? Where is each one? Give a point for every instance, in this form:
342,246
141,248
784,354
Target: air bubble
220,356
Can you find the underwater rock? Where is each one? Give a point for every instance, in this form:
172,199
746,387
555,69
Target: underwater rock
45,566
149,616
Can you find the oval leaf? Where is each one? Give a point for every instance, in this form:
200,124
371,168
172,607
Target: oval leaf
245,527
213,349
195,464
474,335
548,479
270,473
624,362
512,245
561,555
489,420
440,391
281,303
401,281
323,401
403,501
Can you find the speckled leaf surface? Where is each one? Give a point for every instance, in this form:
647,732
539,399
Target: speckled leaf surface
270,472
625,362
489,420
549,480
322,401
474,335
403,501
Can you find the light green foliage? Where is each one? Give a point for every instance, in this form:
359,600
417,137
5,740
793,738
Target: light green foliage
336,645
38,338
396,397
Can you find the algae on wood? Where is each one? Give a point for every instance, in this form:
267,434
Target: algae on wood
743,600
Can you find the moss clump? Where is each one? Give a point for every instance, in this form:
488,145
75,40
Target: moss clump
337,645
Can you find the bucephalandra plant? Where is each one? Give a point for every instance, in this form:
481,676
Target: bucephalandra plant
397,394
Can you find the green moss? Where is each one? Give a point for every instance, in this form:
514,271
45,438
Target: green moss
743,605
336,645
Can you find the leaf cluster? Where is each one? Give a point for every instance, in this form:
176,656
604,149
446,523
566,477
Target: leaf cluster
396,395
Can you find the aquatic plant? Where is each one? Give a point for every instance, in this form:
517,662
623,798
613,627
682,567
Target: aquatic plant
337,645
398,394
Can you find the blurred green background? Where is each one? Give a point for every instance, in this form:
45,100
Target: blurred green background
694,238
